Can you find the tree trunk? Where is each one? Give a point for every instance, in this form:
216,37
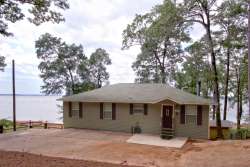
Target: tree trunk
238,99
72,81
216,95
215,79
99,82
249,57
214,109
163,75
161,67
226,84
241,110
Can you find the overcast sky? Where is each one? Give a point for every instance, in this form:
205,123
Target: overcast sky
92,23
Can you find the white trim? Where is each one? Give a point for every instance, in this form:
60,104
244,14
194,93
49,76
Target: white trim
181,103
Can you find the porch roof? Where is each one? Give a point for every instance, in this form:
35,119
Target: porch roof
137,93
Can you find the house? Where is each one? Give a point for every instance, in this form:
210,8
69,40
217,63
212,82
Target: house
225,125
146,108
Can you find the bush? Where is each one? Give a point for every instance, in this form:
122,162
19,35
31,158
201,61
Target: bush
242,133
248,134
6,123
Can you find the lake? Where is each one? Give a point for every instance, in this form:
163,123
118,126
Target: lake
39,107
31,107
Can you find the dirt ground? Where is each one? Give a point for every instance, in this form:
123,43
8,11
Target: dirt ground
21,159
111,147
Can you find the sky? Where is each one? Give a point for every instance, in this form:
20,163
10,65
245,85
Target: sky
92,23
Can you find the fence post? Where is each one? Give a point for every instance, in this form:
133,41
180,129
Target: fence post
46,125
1,129
30,124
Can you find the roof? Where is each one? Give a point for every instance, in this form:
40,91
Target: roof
224,123
137,93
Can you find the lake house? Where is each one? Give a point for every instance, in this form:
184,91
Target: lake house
139,108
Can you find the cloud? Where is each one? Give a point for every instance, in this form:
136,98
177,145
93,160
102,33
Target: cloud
92,23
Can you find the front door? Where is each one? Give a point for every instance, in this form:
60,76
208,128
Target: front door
167,112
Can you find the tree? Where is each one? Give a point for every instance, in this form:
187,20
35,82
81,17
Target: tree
232,31
60,65
248,17
239,81
2,63
97,67
159,33
65,68
41,11
146,68
195,69
202,12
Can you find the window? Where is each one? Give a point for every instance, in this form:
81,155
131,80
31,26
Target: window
75,109
191,116
138,108
107,111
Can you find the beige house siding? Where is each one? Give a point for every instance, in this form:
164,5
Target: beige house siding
192,130
150,123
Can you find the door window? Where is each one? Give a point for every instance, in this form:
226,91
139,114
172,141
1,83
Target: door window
167,112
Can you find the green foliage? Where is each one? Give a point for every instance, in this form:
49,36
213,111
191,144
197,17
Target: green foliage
242,133
240,74
64,67
218,59
59,65
41,11
6,123
146,68
83,87
195,68
2,63
97,67
160,34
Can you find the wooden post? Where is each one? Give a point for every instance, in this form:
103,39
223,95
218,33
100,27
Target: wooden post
30,124
14,95
46,125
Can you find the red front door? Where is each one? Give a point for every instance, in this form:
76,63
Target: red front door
167,112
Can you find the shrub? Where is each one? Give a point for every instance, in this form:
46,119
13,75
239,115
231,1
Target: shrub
6,123
242,133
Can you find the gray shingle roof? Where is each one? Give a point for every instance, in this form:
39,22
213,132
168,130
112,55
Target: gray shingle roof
137,93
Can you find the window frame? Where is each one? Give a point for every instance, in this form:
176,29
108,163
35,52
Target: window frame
105,110
136,111
75,110
191,114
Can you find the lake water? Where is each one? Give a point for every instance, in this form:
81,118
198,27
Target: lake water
31,107
38,107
